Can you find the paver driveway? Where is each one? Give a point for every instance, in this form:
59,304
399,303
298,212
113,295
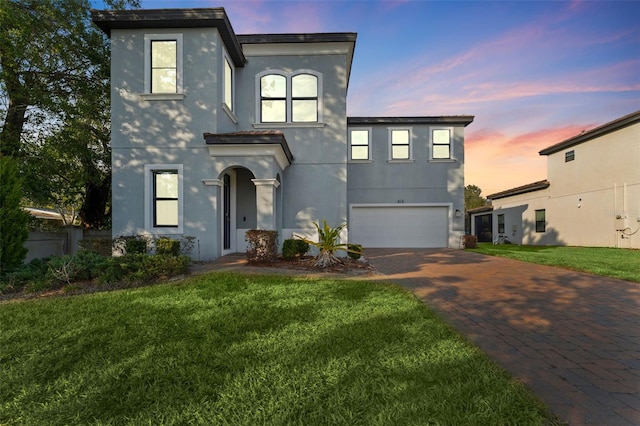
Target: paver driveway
573,338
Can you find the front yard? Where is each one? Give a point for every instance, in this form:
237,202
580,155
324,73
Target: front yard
608,262
246,350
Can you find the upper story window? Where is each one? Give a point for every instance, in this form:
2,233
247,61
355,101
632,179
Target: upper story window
163,64
228,83
569,156
400,144
359,142
290,97
441,144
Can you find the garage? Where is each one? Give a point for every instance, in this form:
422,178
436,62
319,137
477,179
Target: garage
399,225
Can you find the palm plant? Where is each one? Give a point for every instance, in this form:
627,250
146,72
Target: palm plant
327,244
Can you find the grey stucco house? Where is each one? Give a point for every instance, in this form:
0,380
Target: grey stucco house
215,133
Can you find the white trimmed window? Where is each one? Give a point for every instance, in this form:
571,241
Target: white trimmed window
163,64
228,83
400,144
360,142
441,143
289,97
163,198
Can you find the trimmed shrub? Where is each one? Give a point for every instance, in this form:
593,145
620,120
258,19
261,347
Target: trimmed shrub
262,245
168,246
470,241
292,248
140,268
354,251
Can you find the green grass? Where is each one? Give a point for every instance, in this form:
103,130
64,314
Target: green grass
609,262
248,350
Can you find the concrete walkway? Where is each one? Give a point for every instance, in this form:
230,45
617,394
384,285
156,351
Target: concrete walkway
572,338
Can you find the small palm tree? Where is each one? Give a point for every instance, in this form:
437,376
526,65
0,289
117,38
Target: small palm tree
327,244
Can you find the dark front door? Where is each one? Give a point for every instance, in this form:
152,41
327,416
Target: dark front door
226,199
484,225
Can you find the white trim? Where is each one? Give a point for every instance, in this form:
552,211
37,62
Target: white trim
251,150
451,138
390,144
162,96
287,125
148,199
148,38
294,49
266,182
212,182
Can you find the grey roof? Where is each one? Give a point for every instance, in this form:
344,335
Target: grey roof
612,126
216,17
447,119
257,137
531,187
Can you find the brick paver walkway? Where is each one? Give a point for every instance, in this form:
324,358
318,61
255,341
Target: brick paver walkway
572,338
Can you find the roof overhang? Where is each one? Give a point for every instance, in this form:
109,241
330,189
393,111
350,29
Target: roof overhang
108,20
463,120
535,186
612,126
245,144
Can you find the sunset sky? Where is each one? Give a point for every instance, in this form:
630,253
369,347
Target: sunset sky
532,72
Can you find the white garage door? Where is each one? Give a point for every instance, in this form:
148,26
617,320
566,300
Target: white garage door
399,226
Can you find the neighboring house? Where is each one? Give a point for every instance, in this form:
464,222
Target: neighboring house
215,133
590,198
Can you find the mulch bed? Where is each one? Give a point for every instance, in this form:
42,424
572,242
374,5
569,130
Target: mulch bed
307,263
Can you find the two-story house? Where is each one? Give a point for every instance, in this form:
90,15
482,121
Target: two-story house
591,196
215,133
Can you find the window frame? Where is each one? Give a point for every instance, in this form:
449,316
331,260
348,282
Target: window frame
368,144
541,224
501,224
148,40
150,199
391,131
289,99
433,144
228,84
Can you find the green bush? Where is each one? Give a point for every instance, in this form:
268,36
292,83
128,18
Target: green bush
354,251
32,273
292,248
13,220
168,246
139,268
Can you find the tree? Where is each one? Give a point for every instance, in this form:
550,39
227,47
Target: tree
13,219
54,81
473,198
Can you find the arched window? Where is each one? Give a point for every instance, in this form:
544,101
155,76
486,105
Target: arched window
290,97
273,98
304,98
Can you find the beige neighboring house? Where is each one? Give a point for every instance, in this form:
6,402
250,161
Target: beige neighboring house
591,196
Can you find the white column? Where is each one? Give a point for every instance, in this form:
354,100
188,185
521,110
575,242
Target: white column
265,202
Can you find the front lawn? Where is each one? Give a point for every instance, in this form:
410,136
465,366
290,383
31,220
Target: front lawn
248,350
609,262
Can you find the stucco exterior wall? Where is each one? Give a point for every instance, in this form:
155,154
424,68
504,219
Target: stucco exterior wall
148,132
420,180
593,200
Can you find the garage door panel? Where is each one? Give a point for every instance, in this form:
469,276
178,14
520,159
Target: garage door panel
399,226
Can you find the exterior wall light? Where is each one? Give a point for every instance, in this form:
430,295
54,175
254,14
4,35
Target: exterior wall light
458,213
